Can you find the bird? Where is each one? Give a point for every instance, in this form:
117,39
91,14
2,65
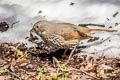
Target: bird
56,36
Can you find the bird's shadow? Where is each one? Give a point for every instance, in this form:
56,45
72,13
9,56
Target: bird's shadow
58,54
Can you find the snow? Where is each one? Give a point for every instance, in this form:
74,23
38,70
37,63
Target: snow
27,12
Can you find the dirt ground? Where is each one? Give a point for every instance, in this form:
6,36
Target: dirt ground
17,62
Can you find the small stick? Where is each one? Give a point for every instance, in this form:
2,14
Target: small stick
14,23
84,25
14,74
87,74
58,64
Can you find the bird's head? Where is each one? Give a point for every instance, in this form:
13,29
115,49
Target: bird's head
35,28
39,27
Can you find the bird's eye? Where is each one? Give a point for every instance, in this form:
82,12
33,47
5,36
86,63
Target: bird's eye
37,26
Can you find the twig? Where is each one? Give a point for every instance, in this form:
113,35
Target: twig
14,74
58,64
87,74
98,43
25,54
14,23
14,62
84,25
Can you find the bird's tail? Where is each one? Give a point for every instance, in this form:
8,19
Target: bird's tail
98,30
87,30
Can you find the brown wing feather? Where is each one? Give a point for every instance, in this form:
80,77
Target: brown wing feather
72,36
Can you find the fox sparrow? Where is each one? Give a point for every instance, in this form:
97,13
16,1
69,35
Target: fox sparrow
57,36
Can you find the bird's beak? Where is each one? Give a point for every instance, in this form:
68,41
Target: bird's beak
32,30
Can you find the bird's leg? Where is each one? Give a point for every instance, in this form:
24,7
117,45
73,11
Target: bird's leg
73,50
65,51
64,54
